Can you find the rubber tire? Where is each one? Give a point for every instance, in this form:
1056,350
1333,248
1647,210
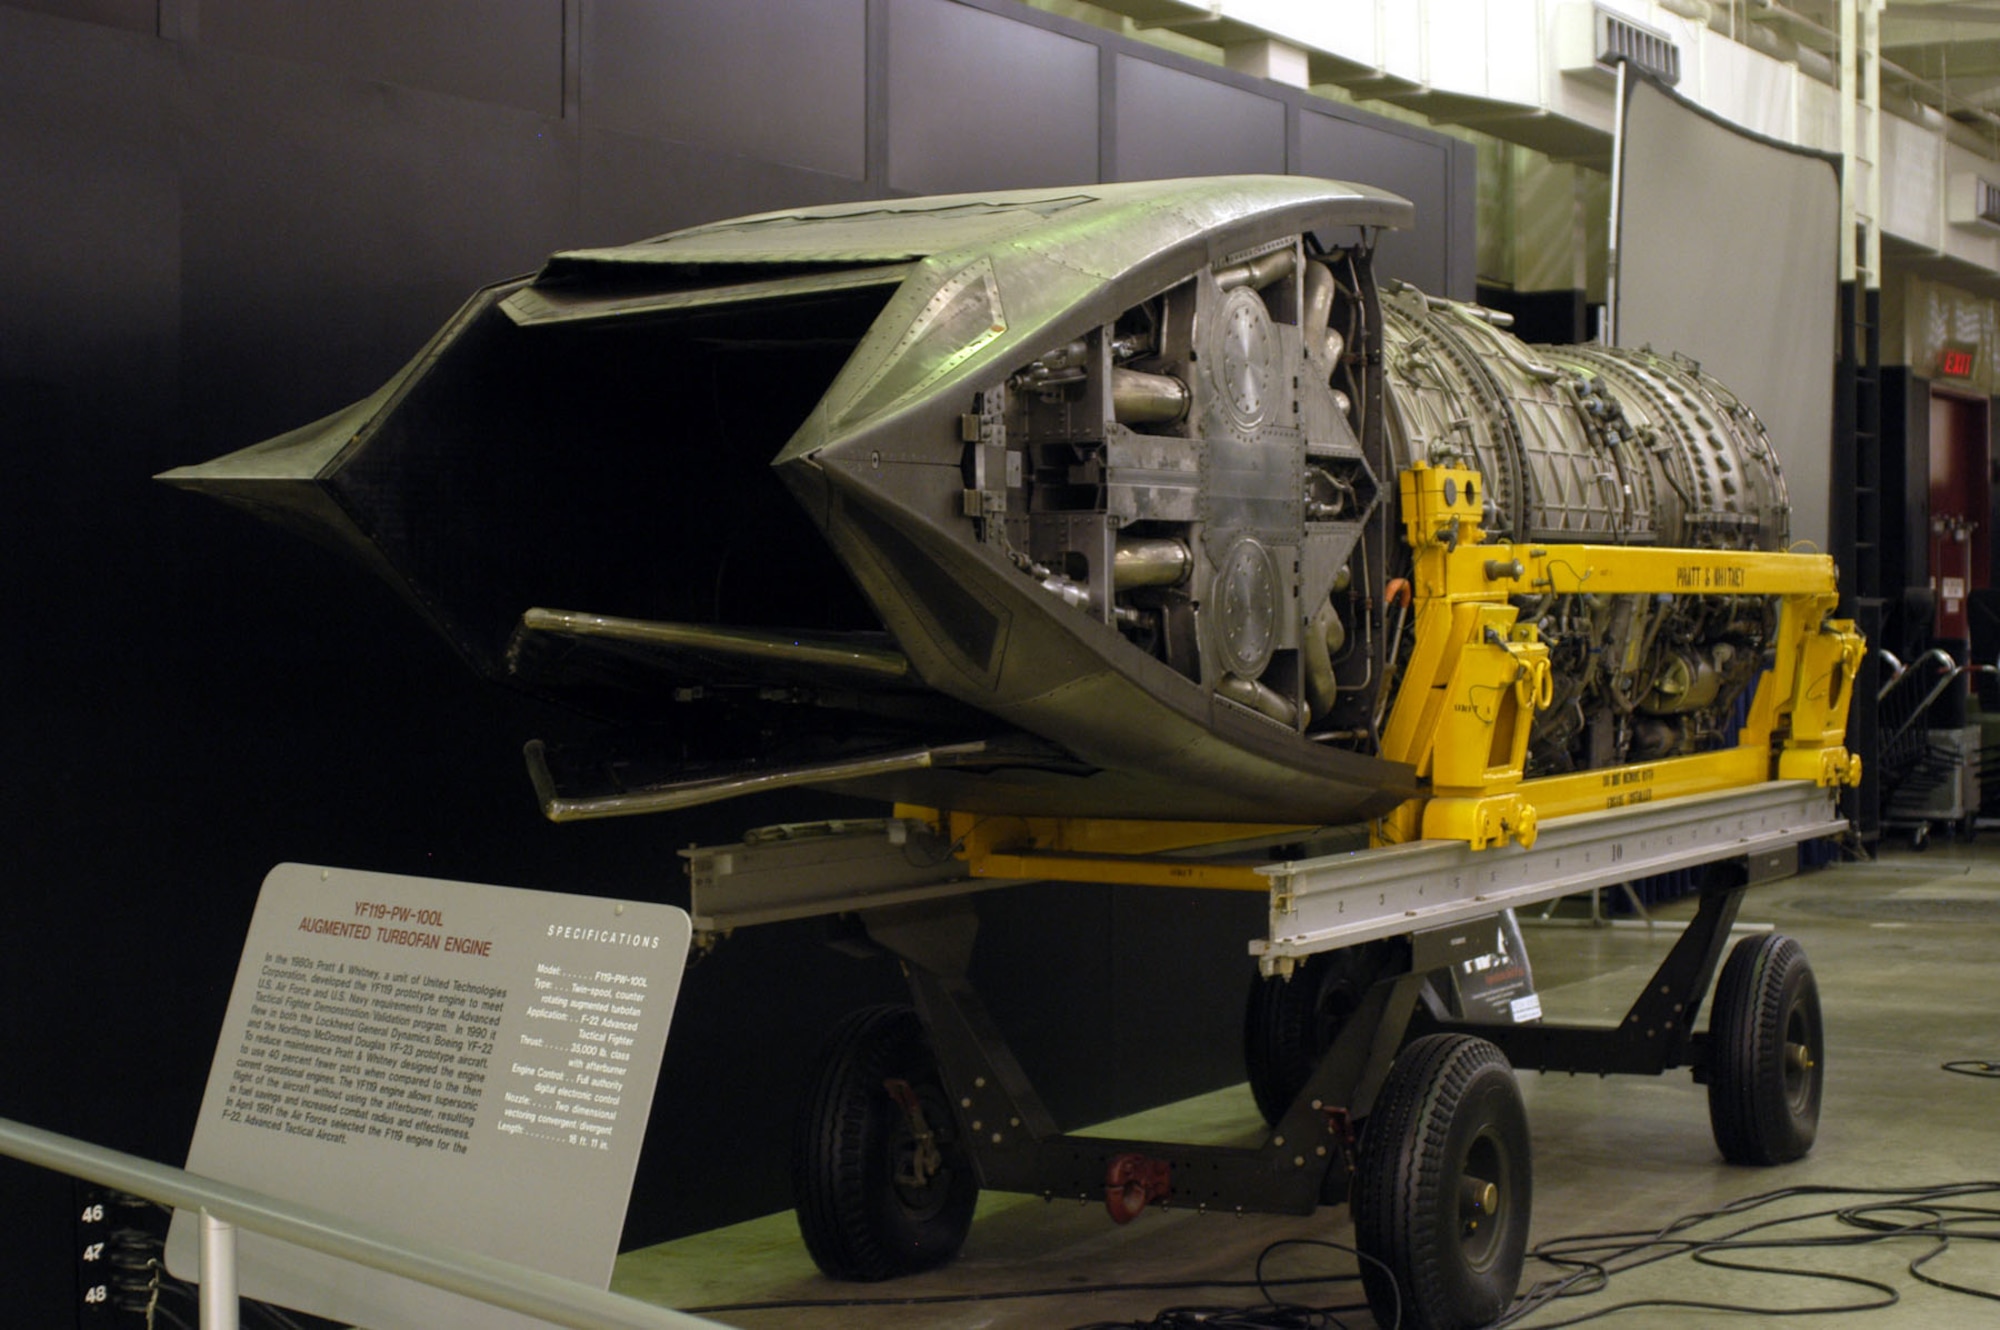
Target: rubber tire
858,1224
1450,1100
1763,1109
1289,1024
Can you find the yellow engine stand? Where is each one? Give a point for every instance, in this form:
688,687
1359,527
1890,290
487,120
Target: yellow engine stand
1465,708
1475,678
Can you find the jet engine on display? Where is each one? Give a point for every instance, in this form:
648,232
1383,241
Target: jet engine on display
1092,502
1101,530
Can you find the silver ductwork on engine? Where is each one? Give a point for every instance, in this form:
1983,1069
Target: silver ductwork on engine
1599,445
1579,442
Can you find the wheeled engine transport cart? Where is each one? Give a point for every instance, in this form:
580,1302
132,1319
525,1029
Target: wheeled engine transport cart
1085,528
1377,1089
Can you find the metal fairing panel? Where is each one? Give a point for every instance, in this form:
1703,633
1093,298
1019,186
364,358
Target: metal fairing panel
1164,746
1083,465
880,232
1114,704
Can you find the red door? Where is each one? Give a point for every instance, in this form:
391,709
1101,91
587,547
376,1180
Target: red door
1958,510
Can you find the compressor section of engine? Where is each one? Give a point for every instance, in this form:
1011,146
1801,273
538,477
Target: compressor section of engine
1579,443
1211,475
1608,446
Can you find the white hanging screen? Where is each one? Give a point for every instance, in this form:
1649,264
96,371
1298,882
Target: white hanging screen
1728,252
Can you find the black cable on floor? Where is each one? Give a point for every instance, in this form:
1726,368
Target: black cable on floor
1935,1216
1277,1317
1272,1315
1944,1230
1011,1295
1265,1285
1593,1260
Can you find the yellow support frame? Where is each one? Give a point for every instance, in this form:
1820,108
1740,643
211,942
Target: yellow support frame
1074,849
1464,709
1474,682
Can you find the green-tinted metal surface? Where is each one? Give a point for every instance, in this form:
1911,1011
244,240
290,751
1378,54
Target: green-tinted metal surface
987,283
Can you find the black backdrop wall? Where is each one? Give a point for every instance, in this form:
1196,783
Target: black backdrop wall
222,218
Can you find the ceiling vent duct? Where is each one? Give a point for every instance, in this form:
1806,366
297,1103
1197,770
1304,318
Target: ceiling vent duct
1593,40
1973,201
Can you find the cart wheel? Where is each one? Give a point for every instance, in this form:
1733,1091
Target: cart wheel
1291,1023
1920,836
1968,828
1442,1187
1767,1053
881,1180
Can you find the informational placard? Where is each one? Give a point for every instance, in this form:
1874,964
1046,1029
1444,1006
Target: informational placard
469,1065
1496,982
1488,961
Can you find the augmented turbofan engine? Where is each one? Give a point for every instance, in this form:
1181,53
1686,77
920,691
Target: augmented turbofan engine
1083,502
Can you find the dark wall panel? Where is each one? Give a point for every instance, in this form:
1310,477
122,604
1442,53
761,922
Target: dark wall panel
132,15
333,224
1118,998
507,53
1175,122
634,187
1069,1048
89,345
89,348
1419,170
780,80
979,101
93,262
1181,971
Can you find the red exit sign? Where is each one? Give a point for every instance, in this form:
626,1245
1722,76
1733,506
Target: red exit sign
1955,362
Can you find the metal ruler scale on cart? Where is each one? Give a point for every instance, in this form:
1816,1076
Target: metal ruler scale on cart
814,870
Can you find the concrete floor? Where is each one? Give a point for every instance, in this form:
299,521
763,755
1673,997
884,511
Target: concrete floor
1907,953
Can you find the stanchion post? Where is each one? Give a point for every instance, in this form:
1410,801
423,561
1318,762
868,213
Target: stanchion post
218,1273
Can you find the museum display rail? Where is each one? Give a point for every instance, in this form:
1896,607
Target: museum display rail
225,1208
